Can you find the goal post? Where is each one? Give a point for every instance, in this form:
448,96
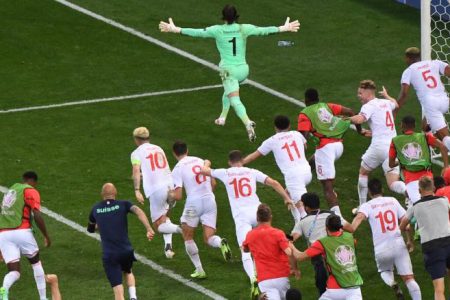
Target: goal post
425,29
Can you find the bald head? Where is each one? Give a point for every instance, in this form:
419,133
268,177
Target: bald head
109,191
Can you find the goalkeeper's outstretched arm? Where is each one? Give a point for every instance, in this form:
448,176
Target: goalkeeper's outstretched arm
288,26
193,32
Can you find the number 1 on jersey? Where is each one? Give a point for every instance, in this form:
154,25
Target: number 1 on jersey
288,149
233,41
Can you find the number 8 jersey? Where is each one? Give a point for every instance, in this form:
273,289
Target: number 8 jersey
240,183
383,214
154,167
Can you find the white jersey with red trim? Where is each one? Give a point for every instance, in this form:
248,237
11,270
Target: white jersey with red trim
186,173
383,214
425,77
380,118
240,183
154,167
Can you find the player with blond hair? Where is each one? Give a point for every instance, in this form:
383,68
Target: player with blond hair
231,42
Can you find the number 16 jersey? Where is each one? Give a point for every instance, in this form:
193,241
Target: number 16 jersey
240,183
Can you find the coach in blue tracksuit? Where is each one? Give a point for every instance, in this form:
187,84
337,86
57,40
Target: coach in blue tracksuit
110,217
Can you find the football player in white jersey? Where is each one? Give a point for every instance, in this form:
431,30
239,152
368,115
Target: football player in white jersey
425,77
288,147
384,215
240,183
200,205
378,113
157,182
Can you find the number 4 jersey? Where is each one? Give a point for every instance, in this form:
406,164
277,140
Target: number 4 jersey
379,116
154,167
240,183
383,214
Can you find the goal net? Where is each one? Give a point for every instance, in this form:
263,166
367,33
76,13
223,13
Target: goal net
435,35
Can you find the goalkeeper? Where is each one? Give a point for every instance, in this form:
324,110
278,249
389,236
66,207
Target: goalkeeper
231,40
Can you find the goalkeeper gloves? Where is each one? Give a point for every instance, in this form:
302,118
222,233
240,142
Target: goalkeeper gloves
169,27
288,26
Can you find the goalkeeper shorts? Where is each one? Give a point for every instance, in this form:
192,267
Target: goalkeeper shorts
232,76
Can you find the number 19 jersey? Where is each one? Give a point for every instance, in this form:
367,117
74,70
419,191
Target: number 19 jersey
240,183
383,214
154,167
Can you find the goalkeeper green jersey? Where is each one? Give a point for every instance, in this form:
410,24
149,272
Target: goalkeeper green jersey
231,39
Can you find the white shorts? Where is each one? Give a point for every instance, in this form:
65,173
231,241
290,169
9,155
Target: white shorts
158,203
296,184
202,210
275,289
342,294
394,253
434,109
13,243
325,158
377,155
412,189
243,226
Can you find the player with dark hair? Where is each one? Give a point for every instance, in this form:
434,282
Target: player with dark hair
412,149
22,204
241,183
384,215
338,250
110,217
322,122
231,42
200,205
288,146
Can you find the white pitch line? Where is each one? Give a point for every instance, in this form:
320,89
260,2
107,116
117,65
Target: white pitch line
139,257
174,49
118,98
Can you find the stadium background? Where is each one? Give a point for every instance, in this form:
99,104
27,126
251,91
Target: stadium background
53,54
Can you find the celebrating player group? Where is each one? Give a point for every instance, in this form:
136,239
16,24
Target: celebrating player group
269,257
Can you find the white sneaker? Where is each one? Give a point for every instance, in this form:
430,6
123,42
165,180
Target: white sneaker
168,251
220,121
251,131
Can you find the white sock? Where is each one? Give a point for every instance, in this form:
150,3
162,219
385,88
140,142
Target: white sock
336,210
249,268
132,292
414,289
362,189
296,214
192,251
167,239
10,278
302,211
446,142
39,277
388,278
215,241
169,227
398,187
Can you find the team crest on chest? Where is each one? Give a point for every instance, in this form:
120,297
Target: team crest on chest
9,199
412,151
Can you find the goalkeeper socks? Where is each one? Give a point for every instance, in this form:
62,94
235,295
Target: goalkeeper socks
225,106
39,277
239,108
10,278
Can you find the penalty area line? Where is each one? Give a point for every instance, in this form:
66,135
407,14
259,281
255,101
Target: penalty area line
142,259
110,99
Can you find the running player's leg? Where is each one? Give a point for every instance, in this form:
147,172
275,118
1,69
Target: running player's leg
113,272
405,270
11,255
385,259
39,276
369,161
225,109
435,115
131,284
296,187
126,264
412,189
242,228
29,248
393,179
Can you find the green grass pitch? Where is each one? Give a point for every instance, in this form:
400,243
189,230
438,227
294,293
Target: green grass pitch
52,54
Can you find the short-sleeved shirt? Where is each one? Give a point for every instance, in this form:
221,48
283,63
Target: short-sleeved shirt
383,214
187,173
431,213
267,245
111,218
304,124
413,176
379,116
317,249
154,167
240,183
32,202
288,147
425,77
313,226
444,192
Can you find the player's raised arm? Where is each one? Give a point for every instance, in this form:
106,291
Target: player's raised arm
385,95
208,32
402,97
251,157
288,26
143,218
